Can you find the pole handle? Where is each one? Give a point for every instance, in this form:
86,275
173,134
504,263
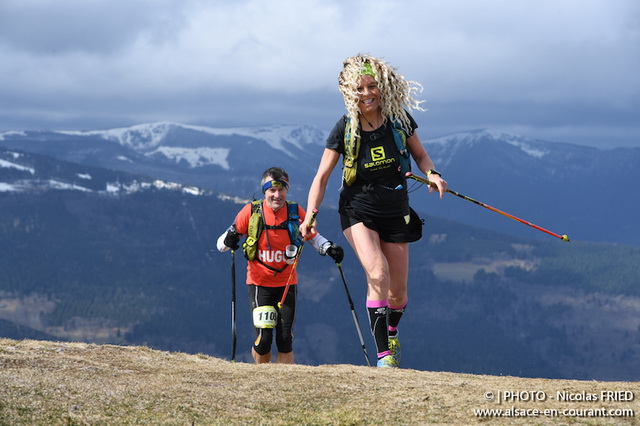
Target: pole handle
314,213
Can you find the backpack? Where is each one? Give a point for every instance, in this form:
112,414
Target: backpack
257,225
352,149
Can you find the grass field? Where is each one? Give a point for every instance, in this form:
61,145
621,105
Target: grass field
86,384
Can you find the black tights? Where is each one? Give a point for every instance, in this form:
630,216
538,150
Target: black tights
271,296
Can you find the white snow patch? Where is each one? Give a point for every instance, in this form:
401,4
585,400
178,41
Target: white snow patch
84,176
113,188
135,186
142,136
196,157
236,200
116,187
529,149
9,165
192,190
12,133
275,136
55,184
161,184
7,187
454,139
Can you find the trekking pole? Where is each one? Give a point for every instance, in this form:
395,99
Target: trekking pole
314,213
233,305
429,183
353,313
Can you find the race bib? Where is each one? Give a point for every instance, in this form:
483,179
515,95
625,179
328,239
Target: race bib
265,317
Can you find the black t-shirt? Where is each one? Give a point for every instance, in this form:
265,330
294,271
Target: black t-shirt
379,189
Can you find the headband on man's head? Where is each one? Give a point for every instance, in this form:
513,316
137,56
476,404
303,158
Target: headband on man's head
367,70
274,183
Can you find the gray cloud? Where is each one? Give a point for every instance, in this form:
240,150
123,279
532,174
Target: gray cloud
564,70
95,28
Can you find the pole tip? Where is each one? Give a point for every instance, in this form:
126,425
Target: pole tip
565,238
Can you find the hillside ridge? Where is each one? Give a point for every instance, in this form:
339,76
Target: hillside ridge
47,382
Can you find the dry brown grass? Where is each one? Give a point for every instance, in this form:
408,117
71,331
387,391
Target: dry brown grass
78,383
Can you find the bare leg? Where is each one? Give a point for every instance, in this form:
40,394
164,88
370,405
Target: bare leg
366,243
397,255
284,358
260,359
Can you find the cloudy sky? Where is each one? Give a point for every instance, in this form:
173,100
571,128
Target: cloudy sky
560,70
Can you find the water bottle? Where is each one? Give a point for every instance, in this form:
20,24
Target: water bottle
290,253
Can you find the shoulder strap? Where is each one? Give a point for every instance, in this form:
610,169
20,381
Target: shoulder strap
293,223
250,245
400,138
351,151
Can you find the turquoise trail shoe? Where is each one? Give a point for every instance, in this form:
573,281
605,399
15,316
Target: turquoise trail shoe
388,361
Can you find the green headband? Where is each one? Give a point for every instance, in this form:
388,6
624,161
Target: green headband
367,70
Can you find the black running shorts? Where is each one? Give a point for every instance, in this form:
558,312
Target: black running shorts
390,229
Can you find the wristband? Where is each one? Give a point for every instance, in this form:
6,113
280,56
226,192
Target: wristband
433,172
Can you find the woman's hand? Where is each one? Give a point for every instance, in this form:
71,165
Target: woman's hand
437,183
306,229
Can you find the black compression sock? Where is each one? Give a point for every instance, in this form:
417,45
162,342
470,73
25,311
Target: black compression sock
379,328
394,319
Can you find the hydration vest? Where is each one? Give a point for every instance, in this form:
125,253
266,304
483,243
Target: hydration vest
352,149
257,225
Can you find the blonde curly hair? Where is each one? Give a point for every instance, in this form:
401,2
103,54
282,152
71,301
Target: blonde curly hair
396,93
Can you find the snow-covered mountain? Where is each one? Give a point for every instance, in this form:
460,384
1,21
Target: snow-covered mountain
569,189
28,172
151,138
450,145
508,147
229,160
